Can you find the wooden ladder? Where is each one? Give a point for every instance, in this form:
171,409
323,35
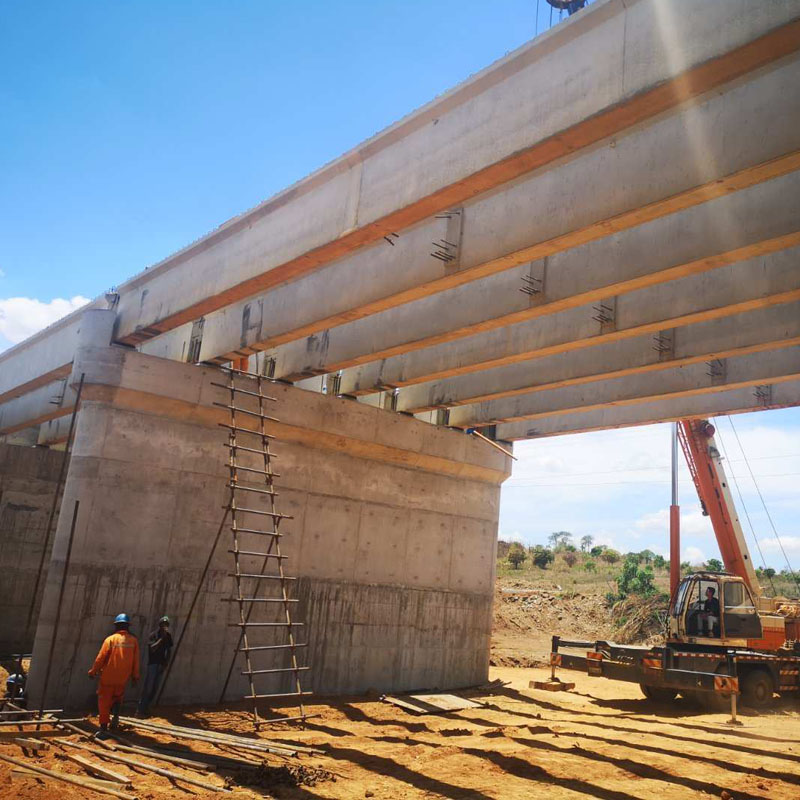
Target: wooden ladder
254,517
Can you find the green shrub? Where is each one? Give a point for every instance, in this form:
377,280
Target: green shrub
516,555
542,556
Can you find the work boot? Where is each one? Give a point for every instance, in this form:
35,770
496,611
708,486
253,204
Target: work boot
102,734
115,717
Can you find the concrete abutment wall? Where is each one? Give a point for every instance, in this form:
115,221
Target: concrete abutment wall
28,484
393,536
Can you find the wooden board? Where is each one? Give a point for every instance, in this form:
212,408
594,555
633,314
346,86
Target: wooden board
431,703
31,744
98,770
551,686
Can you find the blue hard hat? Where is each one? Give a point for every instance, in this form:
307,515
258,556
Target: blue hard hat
121,618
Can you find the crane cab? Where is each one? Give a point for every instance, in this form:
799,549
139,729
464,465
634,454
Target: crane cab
714,608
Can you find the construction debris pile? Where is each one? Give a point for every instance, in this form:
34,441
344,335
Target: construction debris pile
529,609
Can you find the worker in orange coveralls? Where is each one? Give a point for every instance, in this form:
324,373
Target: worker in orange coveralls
116,663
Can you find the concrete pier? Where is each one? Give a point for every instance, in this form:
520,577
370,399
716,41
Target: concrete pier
393,534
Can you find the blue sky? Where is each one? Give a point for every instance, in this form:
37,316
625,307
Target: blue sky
130,129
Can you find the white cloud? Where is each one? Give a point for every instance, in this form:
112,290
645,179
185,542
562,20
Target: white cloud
694,555
693,523
791,545
21,317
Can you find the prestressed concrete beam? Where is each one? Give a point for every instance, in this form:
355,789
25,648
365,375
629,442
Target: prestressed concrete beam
731,401
736,372
746,286
756,331
507,121
762,219
44,403
55,431
47,356
594,193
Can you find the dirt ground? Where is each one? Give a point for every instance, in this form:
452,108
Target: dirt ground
601,740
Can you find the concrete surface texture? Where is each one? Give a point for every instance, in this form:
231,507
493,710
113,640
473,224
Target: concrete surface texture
28,485
393,534
628,177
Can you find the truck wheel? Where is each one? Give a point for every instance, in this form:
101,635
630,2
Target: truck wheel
658,694
757,689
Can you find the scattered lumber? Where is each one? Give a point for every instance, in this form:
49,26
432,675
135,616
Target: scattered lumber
29,711
98,769
224,738
201,766
213,760
75,780
138,764
106,745
27,773
430,703
44,733
31,744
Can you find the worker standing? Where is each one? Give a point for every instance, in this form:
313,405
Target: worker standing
159,645
116,664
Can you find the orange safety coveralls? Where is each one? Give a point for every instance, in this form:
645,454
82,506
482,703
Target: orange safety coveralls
116,663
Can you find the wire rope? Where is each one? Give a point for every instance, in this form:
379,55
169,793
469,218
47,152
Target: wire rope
763,503
746,512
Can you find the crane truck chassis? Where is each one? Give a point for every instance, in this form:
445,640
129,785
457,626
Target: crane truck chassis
740,642
663,671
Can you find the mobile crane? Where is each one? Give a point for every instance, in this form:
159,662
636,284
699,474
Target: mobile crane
725,637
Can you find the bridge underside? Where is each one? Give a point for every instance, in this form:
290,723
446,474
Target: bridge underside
602,229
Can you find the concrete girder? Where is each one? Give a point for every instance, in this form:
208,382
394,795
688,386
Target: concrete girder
756,331
54,432
757,283
620,71
731,401
41,404
39,360
705,378
47,356
735,227
509,222
507,121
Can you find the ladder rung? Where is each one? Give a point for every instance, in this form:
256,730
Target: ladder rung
244,391
272,671
259,471
258,600
255,553
253,530
244,449
245,411
251,489
272,647
260,577
279,694
274,514
266,624
286,719
245,430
